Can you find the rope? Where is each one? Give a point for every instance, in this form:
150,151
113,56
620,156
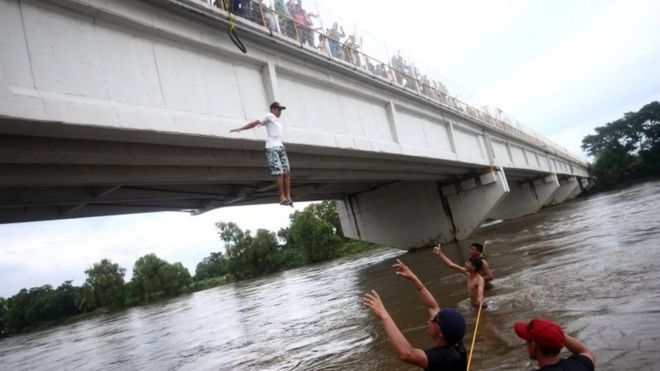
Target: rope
476,325
231,28
474,337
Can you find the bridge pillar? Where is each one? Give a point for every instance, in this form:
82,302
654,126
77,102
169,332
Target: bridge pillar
567,188
526,197
415,214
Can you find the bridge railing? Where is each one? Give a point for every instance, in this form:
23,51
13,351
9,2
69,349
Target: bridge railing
295,25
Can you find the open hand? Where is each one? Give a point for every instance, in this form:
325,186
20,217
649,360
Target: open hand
402,270
372,301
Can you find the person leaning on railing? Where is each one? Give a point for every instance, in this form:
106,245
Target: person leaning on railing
334,36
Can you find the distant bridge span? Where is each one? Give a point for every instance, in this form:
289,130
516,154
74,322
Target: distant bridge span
117,107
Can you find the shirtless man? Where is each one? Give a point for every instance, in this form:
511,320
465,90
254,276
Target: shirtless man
473,269
476,251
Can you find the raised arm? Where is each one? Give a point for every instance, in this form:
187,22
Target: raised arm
404,350
249,125
576,347
437,250
424,295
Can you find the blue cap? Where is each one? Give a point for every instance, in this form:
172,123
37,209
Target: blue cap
452,325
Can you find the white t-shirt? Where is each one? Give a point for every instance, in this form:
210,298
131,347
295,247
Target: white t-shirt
274,129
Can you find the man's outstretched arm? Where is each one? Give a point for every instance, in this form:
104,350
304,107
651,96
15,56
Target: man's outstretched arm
424,295
249,125
404,350
437,250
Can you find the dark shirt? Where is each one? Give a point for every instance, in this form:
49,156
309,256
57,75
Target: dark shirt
576,362
447,358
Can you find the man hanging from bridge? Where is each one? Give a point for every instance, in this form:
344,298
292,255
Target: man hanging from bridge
278,162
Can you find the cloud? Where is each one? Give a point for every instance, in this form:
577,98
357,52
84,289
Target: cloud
598,52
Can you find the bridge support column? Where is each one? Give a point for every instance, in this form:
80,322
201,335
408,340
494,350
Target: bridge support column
526,197
415,214
472,200
567,188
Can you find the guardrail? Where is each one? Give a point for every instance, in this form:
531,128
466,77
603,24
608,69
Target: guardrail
295,24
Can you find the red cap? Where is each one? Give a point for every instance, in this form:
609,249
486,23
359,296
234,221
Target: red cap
545,333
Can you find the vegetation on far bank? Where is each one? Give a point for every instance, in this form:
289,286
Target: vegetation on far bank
313,235
627,149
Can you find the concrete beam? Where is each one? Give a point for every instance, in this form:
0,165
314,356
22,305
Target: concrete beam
414,214
474,200
526,197
566,188
403,215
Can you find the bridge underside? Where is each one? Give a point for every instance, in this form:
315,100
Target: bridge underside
65,173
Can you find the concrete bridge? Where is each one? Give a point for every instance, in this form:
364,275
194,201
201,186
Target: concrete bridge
125,106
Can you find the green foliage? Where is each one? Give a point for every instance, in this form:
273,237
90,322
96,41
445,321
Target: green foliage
249,256
105,280
312,235
327,211
39,305
207,283
4,308
627,148
214,265
155,278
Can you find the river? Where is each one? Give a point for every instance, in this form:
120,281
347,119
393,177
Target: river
590,264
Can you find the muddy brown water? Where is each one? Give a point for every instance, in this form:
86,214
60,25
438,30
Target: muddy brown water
590,264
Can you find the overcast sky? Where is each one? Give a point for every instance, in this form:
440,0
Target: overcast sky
561,68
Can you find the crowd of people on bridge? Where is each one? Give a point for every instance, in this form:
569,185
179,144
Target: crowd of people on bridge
291,19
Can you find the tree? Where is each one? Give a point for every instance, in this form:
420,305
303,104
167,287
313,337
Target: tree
626,148
175,278
106,282
154,278
30,308
236,243
327,211
3,316
312,235
214,265
67,298
147,280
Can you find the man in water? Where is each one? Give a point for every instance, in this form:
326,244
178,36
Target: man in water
473,269
476,251
445,326
278,162
545,339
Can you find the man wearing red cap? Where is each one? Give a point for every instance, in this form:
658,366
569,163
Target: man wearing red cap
278,162
445,326
545,339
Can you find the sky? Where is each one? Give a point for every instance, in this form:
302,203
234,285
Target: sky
560,68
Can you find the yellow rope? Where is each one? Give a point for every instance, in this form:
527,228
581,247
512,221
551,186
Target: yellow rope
476,325
474,338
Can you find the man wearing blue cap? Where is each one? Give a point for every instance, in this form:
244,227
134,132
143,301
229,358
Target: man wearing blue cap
445,326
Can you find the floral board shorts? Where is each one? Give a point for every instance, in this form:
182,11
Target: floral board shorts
278,163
